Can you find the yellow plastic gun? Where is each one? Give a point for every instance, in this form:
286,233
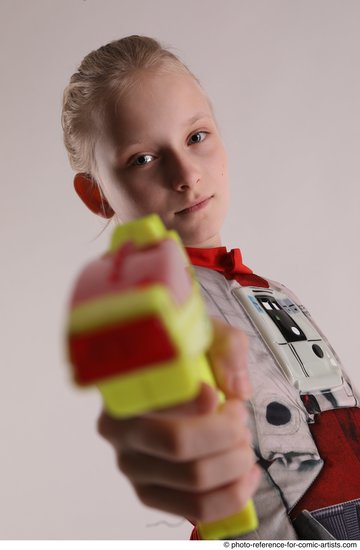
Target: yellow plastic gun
139,331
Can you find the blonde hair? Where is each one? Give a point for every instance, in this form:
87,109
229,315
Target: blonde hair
103,74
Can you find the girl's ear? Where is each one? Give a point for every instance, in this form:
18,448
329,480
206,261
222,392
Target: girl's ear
91,195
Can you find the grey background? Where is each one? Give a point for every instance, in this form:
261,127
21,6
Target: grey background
284,78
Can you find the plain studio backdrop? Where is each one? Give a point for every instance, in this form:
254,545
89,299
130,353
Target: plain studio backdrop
284,79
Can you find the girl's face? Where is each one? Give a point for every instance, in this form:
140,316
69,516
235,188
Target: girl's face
162,153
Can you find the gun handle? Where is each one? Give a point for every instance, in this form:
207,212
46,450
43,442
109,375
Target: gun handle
240,523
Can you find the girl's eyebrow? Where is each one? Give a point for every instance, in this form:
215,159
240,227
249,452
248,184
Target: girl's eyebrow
129,143
196,117
189,122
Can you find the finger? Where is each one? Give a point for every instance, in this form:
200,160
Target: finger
201,475
228,358
206,506
182,438
112,429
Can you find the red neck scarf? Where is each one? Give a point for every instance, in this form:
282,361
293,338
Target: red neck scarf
230,264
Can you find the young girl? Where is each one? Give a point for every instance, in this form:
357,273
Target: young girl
142,137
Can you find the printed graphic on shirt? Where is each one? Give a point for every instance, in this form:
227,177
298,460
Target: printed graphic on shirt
302,354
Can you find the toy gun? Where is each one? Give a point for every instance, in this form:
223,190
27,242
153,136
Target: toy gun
138,330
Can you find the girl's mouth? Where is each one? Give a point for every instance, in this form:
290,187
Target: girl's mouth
196,206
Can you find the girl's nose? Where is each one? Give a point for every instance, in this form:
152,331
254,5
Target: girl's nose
184,174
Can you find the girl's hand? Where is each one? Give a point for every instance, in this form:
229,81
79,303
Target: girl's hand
195,459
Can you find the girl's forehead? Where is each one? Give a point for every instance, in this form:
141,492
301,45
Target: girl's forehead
161,87
158,103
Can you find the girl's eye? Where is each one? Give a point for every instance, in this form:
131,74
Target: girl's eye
197,137
141,160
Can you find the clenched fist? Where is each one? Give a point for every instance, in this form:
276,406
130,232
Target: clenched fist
194,460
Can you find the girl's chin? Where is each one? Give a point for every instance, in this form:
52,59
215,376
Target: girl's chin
202,241
197,233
